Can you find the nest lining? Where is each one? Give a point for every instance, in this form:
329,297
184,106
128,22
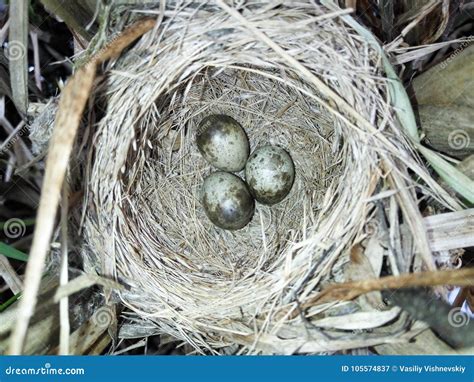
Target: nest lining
145,225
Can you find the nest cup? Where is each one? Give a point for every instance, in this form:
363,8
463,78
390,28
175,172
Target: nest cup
145,225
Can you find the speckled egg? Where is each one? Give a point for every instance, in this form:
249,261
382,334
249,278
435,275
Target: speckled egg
227,200
223,142
270,173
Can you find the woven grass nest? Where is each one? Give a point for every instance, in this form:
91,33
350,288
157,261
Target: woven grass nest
144,224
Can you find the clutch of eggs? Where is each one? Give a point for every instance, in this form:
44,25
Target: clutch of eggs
223,142
227,200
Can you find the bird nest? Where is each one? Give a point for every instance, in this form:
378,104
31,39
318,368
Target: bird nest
278,73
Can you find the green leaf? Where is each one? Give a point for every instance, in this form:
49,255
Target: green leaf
9,302
450,174
12,253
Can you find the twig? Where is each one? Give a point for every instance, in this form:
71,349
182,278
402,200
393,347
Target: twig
136,345
22,152
9,275
36,59
63,278
4,32
350,290
12,135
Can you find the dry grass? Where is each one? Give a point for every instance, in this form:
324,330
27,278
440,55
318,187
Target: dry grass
302,76
303,80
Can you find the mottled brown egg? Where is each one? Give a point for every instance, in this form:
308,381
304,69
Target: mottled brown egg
223,142
270,173
227,200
